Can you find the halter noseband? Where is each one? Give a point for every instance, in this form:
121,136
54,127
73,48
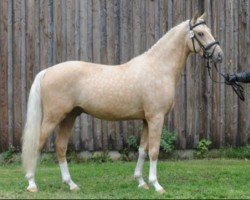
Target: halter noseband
205,49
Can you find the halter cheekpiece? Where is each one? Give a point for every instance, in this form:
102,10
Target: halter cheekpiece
205,49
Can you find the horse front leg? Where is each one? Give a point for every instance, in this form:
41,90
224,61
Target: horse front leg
142,155
155,125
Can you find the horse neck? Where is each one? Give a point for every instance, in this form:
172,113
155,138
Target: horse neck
170,53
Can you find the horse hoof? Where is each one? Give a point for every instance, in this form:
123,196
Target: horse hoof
33,190
75,189
161,191
145,186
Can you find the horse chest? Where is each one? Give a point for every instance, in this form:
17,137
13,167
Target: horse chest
159,98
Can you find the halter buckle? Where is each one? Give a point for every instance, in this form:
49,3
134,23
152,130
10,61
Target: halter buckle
191,33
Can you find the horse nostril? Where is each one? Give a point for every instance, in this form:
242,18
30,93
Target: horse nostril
220,56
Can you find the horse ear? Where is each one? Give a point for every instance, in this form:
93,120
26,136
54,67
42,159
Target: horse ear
195,17
203,16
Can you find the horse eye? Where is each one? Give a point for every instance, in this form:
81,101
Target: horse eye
201,34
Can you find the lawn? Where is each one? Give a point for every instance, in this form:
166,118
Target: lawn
181,179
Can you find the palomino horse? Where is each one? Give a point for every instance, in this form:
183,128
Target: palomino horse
143,88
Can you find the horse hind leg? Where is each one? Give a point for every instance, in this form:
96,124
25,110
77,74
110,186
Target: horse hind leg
46,129
142,155
62,138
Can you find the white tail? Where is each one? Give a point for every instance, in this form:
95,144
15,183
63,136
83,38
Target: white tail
33,125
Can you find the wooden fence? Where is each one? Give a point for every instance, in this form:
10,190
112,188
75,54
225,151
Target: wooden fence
35,34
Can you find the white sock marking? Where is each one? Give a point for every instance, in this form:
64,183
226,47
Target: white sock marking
31,178
152,175
139,167
66,175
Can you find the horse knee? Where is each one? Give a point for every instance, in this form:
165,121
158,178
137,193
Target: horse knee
142,153
153,153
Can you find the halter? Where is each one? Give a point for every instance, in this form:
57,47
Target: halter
206,53
238,89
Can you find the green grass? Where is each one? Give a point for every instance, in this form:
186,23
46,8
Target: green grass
181,179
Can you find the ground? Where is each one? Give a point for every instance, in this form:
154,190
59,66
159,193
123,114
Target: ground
217,178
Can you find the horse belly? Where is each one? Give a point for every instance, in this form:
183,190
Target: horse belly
113,107
114,115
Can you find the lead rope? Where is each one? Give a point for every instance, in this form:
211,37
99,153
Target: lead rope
237,88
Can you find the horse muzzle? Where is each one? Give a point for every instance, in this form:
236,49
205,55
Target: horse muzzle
218,57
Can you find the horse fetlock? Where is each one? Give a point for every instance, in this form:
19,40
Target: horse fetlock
152,181
29,175
137,175
32,187
73,187
156,185
144,186
141,182
66,179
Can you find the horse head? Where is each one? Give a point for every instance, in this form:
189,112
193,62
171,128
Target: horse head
201,40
